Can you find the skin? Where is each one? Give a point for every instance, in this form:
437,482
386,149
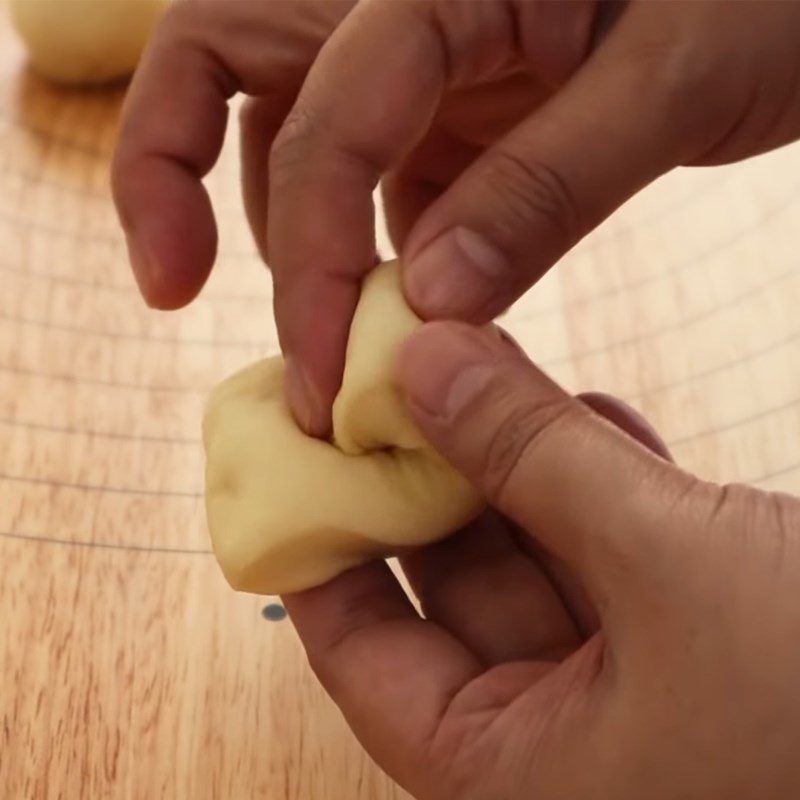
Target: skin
504,130
615,627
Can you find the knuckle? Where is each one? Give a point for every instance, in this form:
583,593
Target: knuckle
671,62
521,431
293,141
190,12
751,511
182,14
727,507
782,520
759,525
476,39
684,82
531,189
557,38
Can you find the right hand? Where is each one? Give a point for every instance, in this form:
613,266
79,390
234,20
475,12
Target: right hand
506,129
626,632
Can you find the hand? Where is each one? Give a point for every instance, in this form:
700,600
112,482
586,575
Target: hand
505,130
174,121
628,632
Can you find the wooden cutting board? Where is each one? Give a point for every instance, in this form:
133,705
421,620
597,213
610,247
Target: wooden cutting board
128,668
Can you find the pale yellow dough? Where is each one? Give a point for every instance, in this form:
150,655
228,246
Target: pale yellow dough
287,512
85,41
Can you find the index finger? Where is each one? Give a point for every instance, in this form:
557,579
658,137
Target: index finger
368,98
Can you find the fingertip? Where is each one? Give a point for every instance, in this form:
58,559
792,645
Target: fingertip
439,340
308,408
141,264
171,279
426,346
170,230
441,360
313,311
162,289
459,275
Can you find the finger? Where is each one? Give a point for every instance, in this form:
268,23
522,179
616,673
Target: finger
259,121
468,120
617,124
324,166
422,176
174,122
598,500
565,582
391,673
480,586
158,165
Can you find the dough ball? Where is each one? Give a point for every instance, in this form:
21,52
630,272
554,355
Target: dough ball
287,512
85,41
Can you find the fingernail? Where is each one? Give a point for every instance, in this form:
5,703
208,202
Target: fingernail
443,370
304,401
458,274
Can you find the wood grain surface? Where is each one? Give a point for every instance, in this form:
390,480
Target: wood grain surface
128,668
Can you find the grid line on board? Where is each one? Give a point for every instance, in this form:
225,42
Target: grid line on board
91,487
34,538
787,203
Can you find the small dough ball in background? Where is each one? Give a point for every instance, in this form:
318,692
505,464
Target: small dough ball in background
85,42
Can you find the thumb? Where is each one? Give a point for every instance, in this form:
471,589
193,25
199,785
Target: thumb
598,500
621,121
